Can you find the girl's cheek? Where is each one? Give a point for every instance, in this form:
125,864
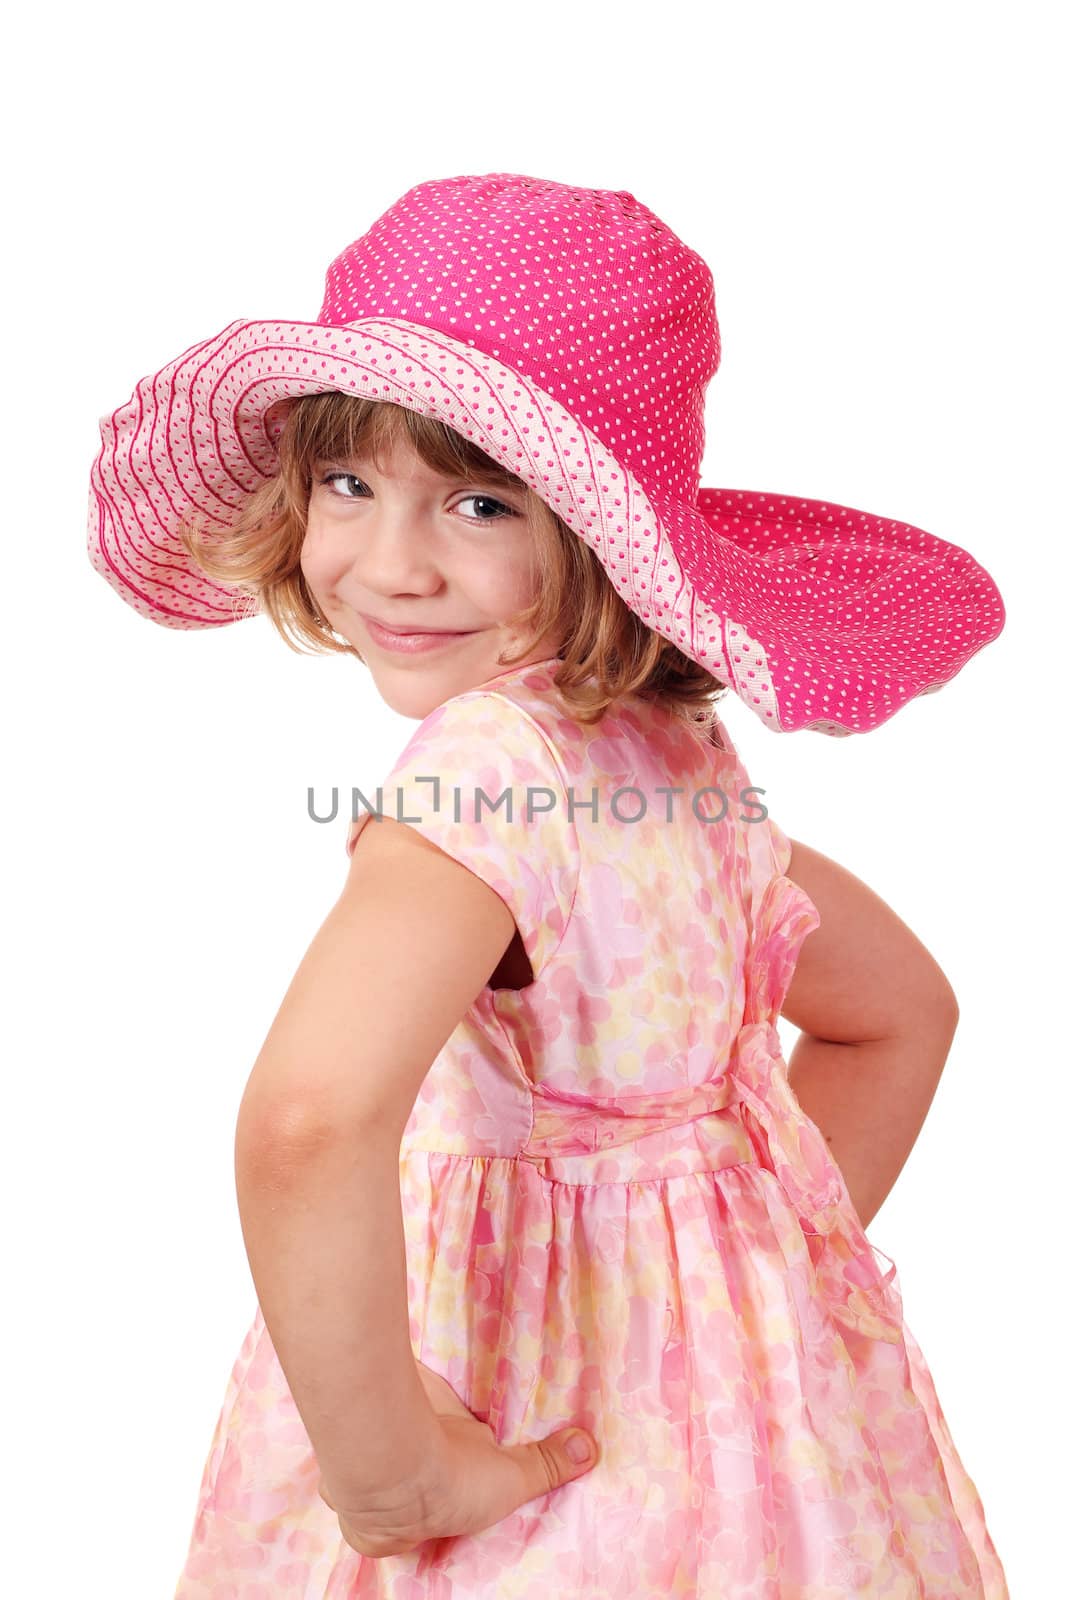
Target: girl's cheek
313,555
511,583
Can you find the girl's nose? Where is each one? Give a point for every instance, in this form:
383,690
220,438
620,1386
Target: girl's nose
393,557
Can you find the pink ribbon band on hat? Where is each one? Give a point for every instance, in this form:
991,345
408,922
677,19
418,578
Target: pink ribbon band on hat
571,335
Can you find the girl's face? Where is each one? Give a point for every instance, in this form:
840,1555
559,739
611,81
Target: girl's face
409,547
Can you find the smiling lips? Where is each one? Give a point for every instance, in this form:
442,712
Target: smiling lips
409,643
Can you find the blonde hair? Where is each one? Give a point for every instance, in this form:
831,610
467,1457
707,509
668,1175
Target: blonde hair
606,650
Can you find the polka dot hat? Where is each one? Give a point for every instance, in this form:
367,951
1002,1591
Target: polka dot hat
571,335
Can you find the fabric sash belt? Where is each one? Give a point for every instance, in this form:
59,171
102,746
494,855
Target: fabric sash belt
860,1294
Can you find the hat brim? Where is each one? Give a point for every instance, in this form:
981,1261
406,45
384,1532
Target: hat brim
817,615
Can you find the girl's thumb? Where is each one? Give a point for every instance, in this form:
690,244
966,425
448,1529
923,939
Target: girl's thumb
578,1449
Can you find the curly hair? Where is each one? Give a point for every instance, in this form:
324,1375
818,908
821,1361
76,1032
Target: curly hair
607,651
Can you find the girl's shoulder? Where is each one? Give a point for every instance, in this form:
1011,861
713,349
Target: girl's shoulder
522,708
480,779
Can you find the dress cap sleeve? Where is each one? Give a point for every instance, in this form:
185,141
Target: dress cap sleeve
481,780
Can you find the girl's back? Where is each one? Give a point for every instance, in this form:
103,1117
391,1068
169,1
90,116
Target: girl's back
616,1212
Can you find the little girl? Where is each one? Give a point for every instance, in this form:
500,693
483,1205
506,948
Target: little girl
520,1157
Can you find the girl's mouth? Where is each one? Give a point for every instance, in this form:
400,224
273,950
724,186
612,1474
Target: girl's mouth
410,643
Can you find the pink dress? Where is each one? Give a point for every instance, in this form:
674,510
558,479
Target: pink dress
617,1214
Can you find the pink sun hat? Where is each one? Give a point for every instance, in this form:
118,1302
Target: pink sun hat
571,335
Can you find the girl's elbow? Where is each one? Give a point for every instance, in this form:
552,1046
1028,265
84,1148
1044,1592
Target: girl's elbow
944,1001
272,1139
941,1014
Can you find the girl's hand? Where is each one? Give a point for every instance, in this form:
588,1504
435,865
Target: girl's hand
482,1482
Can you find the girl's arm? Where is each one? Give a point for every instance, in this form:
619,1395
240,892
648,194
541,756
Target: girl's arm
412,940
877,1016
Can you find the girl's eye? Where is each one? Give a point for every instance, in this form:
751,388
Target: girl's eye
483,500
341,477
488,500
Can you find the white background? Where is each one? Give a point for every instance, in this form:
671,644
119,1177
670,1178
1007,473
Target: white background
876,192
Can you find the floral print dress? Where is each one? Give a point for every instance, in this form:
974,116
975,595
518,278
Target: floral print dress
617,1214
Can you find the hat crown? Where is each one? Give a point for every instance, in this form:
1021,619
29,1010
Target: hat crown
586,292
